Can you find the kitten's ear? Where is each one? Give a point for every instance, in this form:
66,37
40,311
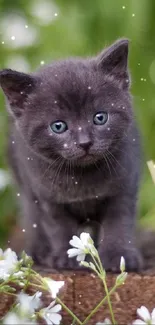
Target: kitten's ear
114,62
16,87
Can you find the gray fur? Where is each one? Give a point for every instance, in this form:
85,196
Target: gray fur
60,191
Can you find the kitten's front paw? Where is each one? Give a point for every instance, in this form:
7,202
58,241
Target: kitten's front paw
111,260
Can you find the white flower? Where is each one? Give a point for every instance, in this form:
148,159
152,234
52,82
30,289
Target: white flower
53,286
122,264
146,317
19,274
4,275
28,304
82,246
106,322
8,263
50,314
12,319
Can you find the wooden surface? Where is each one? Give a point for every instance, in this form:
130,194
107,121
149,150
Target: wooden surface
83,291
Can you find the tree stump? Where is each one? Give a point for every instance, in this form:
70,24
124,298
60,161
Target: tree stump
83,291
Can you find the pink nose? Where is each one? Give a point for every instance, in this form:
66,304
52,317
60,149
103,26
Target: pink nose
85,145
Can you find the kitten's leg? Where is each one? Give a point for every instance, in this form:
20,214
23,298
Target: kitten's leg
31,213
54,233
116,236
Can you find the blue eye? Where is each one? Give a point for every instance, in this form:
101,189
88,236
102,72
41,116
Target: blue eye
100,118
58,127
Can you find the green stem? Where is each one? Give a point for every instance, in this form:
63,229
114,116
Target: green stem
74,321
37,286
100,264
97,266
98,306
109,301
27,280
9,293
106,289
34,273
69,311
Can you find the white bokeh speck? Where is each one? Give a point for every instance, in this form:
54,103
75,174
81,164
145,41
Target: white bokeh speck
44,11
15,34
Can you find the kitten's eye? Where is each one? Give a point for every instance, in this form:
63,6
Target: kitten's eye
100,118
58,127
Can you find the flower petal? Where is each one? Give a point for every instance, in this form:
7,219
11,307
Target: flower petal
9,254
85,238
18,274
138,322
144,313
73,252
76,242
122,264
55,309
55,318
53,286
153,315
12,319
57,285
81,257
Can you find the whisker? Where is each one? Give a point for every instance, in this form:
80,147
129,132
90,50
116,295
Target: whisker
57,171
111,163
107,163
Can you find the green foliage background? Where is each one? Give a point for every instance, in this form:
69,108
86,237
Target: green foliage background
84,27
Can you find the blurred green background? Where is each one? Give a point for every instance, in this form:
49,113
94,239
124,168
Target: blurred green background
34,32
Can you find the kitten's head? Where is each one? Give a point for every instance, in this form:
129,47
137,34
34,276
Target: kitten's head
75,109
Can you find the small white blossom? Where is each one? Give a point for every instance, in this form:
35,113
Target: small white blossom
53,286
8,263
28,304
106,322
122,264
12,319
19,275
50,314
146,316
82,246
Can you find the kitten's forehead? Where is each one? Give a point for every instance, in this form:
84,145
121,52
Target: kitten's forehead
68,82
78,81
68,75
75,85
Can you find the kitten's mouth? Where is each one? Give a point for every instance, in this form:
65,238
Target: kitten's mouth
86,158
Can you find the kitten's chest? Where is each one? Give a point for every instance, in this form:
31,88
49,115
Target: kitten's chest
70,189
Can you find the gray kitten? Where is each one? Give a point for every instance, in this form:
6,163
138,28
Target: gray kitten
74,150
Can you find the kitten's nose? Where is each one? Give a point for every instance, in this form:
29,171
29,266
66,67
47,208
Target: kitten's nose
85,144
